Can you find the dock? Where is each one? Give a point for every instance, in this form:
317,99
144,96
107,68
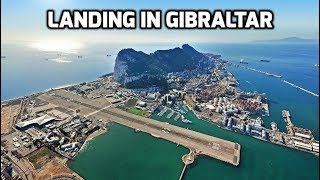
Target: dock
163,111
216,148
187,159
259,71
177,116
298,87
287,119
170,114
185,108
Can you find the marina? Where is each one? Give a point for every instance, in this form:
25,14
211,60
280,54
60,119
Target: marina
184,120
170,114
185,108
163,111
278,160
177,116
228,151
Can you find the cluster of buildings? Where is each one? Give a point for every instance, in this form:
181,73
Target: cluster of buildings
222,105
300,138
253,102
252,127
7,171
102,87
177,80
215,97
59,129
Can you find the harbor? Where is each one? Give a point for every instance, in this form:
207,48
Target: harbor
213,147
249,159
277,76
177,117
295,138
170,114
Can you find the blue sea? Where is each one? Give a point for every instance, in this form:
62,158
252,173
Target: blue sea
26,70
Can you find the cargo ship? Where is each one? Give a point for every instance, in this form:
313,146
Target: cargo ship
264,60
243,62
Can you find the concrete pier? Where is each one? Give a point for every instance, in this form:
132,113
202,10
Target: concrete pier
182,173
298,87
187,159
287,119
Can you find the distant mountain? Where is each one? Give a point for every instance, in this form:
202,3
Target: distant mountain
136,69
289,40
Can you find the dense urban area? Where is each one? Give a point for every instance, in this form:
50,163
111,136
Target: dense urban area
40,132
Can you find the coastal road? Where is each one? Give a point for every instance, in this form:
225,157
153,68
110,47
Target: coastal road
203,144
23,170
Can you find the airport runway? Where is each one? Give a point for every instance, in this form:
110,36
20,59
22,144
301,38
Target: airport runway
204,144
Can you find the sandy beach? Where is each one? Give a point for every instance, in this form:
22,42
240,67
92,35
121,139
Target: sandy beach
96,133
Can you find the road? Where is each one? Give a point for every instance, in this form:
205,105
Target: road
204,144
21,167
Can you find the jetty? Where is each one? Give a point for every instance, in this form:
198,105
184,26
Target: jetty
185,108
170,114
187,159
177,116
163,111
287,119
217,148
259,71
298,87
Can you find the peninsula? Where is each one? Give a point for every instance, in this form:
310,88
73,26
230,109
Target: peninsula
43,130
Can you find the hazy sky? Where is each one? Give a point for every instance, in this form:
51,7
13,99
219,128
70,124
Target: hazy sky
26,21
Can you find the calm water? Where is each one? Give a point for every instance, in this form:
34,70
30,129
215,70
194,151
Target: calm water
258,159
295,63
123,154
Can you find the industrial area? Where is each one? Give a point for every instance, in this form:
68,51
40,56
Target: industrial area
40,132
51,127
216,98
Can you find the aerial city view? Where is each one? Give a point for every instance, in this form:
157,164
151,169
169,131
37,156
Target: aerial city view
159,104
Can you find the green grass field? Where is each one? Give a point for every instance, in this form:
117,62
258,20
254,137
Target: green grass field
137,111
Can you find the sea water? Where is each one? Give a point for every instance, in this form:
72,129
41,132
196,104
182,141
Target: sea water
123,154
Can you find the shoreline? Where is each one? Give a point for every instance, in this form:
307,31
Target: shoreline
91,137
102,131
255,137
49,89
225,128
96,134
